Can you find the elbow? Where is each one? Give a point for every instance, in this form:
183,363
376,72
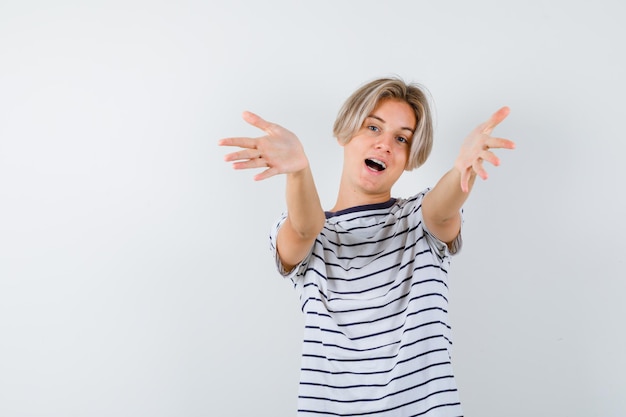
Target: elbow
309,230
445,230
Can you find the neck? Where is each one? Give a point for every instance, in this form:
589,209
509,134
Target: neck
350,196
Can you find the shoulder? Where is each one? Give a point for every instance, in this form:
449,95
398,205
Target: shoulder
412,203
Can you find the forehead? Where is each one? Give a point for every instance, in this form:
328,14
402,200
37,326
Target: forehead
395,111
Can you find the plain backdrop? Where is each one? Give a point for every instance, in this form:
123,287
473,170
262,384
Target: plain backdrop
135,272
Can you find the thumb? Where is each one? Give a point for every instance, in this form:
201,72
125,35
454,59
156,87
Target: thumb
495,119
256,121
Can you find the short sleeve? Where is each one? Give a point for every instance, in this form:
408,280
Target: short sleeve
442,248
298,269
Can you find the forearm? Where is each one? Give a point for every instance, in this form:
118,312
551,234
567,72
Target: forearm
442,205
304,210
305,219
447,197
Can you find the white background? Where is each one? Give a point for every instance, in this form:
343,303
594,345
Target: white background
135,275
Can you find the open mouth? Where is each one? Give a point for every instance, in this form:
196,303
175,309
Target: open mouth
375,164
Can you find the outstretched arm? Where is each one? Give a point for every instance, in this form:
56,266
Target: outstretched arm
280,152
441,206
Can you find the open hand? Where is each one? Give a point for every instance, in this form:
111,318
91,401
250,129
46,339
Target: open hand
279,150
476,149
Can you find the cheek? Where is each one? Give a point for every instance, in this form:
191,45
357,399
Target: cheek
404,152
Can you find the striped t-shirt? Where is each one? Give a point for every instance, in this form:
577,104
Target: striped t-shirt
374,291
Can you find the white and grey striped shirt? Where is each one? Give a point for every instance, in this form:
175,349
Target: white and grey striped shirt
374,291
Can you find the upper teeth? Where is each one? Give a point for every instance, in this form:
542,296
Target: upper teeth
379,162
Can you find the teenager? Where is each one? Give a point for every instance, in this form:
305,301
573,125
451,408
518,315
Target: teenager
371,272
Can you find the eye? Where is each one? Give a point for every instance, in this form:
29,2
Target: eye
402,139
373,128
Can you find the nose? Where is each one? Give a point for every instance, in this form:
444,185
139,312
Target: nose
384,143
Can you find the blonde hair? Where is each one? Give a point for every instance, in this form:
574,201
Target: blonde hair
365,99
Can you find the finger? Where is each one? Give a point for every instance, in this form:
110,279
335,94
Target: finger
500,143
465,177
490,157
495,119
477,166
241,142
250,163
270,172
256,121
242,155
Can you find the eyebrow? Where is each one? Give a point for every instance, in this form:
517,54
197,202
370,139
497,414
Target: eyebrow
373,116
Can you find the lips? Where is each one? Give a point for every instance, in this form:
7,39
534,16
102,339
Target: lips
375,164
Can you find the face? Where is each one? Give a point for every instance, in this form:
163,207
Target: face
377,155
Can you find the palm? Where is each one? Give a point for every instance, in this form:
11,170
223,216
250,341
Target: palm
279,151
476,149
